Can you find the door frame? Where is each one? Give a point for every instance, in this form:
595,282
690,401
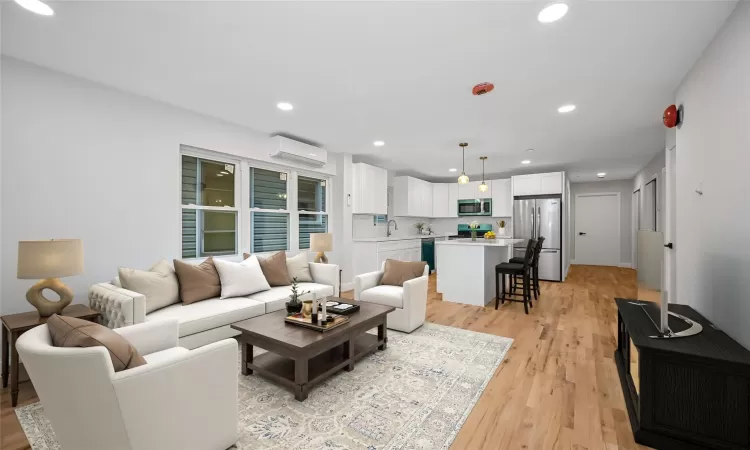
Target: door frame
669,278
619,221
636,225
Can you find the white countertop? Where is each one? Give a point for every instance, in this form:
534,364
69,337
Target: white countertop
481,241
403,238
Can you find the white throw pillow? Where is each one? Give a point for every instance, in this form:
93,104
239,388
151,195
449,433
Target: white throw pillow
239,279
158,284
298,268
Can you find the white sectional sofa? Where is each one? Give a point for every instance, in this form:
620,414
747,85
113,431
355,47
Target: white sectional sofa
209,320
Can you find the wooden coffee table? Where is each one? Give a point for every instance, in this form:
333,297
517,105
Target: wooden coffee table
300,358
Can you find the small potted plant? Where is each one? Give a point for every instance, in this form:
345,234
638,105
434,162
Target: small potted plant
294,305
419,226
501,227
473,227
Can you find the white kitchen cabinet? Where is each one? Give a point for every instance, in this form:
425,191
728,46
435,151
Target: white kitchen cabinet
470,191
453,200
551,183
444,200
369,256
538,184
502,198
412,197
370,190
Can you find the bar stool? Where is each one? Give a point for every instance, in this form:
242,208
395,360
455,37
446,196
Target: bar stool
513,270
534,269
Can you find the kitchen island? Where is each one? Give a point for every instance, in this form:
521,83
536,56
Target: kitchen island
467,268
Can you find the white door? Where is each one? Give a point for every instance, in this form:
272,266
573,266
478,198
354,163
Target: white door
597,229
635,227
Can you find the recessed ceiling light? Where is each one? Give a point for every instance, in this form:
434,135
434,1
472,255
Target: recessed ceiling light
313,154
285,106
526,161
378,143
36,6
601,174
529,150
452,169
552,13
566,108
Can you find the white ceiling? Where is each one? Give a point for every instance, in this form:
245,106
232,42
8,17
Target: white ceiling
401,72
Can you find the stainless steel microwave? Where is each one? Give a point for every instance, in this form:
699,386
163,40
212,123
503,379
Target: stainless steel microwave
477,207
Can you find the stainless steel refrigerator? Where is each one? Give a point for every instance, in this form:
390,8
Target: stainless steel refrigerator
540,216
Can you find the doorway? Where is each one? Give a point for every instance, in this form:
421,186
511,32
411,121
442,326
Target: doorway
636,224
669,281
597,229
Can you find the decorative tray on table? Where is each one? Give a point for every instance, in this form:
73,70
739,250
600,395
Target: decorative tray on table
341,307
299,320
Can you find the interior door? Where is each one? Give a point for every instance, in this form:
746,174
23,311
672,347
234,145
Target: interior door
597,229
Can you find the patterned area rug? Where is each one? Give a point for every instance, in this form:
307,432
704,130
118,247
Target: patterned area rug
414,395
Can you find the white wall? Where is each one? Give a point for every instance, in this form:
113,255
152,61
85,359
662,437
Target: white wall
86,161
713,155
621,186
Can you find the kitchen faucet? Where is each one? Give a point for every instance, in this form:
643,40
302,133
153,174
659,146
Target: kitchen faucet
395,227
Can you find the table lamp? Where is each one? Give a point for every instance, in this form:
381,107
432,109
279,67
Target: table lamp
49,260
321,242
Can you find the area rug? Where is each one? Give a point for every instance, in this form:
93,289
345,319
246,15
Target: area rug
414,395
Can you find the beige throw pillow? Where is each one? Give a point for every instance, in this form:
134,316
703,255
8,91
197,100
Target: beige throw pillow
72,332
274,268
197,282
397,272
299,268
159,284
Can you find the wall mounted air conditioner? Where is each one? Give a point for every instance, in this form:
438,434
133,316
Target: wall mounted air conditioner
299,152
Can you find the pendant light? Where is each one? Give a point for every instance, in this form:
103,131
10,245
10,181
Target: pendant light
463,179
483,187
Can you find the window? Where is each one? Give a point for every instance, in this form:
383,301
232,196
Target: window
311,204
269,213
209,208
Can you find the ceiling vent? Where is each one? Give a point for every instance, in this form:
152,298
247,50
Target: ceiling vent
299,152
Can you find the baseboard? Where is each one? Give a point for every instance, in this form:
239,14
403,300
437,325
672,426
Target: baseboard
625,265
347,287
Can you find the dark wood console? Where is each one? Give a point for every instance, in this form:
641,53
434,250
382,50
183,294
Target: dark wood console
683,393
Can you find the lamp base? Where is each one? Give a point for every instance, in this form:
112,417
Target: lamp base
321,258
45,306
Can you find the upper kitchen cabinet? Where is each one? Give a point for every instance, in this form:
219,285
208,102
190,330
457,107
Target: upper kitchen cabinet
470,190
370,193
502,198
412,197
538,184
444,200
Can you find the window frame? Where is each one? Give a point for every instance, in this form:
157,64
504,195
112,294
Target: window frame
248,166
207,155
327,204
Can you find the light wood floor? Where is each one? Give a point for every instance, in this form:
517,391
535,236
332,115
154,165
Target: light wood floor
557,387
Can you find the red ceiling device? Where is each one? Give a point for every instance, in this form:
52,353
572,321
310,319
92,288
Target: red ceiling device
672,116
482,88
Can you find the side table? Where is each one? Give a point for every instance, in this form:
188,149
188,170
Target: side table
15,325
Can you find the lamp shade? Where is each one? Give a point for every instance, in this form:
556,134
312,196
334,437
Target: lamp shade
321,242
50,259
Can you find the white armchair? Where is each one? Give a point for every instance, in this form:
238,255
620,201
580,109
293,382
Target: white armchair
181,398
410,300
